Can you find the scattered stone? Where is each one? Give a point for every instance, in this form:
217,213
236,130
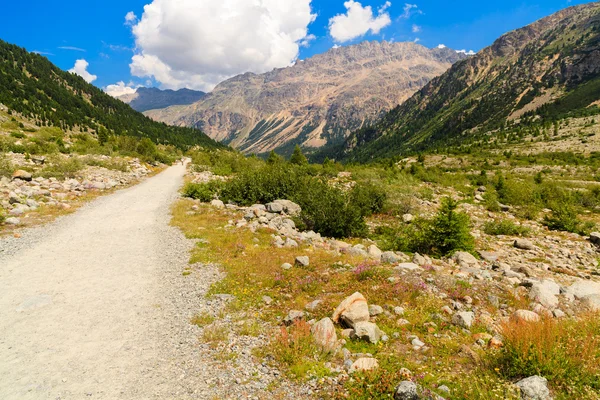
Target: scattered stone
463,319
313,305
408,218
22,175
293,317
367,331
364,364
389,257
302,261
591,301
286,266
465,260
406,390
12,221
595,238
399,311
407,267
375,310
275,208
352,310
374,252
267,300
534,388
545,293
217,204
524,244
525,316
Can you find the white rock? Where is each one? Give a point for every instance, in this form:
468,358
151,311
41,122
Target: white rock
324,335
463,319
534,388
364,364
352,310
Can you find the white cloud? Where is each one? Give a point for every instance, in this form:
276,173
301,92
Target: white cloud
199,43
468,53
80,69
441,46
416,28
72,48
120,89
306,41
409,10
130,18
357,21
417,40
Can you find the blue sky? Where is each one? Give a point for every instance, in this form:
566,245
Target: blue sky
69,30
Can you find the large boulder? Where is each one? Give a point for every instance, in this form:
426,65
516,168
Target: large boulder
352,310
534,388
325,335
374,252
368,331
289,207
523,244
595,238
545,293
389,257
581,289
465,260
525,316
591,301
302,261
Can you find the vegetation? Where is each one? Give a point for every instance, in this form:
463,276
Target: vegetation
33,87
505,227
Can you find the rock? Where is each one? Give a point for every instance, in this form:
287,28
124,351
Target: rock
217,204
591,301
267,300
407,267
406,390
581,289
14,199
12,221
399,311
525,316
595,238
420,260
293,316
417,343
374,252
324,335
375,310
286,266
302,261
463,319
408,218
275,208
534,388
289,207
368,331
465,260
290,243
22,175
364,364
524,244
545,293
313,305
352,310
389,257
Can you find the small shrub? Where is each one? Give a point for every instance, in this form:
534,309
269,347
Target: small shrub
450,230
2,216
202,320
564,218
6,167
204,192
505,227
491,201
370,199
61,168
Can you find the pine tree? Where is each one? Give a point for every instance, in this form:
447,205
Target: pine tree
274,158
298,157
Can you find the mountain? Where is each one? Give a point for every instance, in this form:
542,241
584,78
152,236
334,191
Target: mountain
543,72
315,102
35,88
145,99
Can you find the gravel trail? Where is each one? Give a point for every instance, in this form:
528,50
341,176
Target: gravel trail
95,306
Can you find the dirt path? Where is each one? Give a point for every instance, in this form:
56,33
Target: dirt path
94,305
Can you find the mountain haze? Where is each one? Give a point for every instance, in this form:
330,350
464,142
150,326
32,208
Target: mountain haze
317,101
145,99
549,69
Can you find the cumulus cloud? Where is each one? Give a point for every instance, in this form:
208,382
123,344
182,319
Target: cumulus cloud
121,88
80,69
199,43
468,53
357,21
441,46
306,41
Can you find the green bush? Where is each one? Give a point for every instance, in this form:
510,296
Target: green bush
564,217
2,216
505,227
6,168
60,168
205,192
325,209
370,199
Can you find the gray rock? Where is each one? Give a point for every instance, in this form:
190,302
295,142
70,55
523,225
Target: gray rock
12,221
302,261
313,305
545,293
581,289
290,243
286,266
368,331
534,388
267,300
374,252
408,218
294,316
399,311
389,257
363,364
289,207
465,260
595,238
22,175
591,301
217,204
463,319
406,390
375,310
275,208
524,244
324,335
407,267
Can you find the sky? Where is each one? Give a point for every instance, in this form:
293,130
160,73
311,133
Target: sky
120,45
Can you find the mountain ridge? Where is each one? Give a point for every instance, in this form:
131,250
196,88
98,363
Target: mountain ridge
315,102
146,99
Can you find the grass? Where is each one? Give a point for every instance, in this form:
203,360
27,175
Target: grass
505,227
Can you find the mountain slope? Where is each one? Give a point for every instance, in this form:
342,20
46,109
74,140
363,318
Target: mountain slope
145,99
315,102
550,68
34,87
